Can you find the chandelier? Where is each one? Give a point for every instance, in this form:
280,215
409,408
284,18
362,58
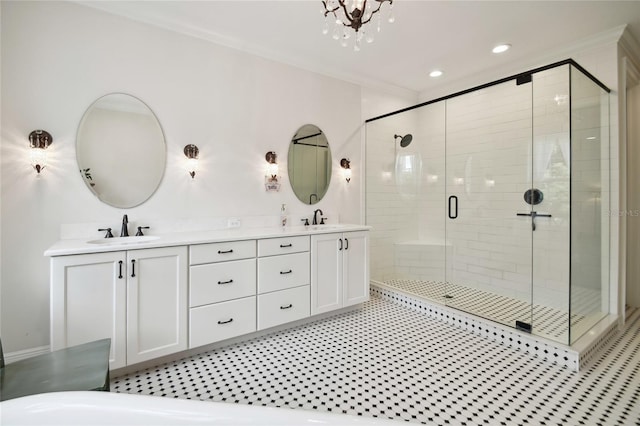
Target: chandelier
349,17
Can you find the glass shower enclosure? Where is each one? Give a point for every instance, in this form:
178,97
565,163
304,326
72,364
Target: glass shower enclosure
499,205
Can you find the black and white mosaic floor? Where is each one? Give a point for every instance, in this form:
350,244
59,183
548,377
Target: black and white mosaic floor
387,361
549,322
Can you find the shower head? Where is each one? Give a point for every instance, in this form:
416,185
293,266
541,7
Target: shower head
404,140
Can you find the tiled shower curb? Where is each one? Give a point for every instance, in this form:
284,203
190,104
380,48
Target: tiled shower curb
545,349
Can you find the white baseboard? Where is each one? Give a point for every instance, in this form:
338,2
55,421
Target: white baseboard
24,354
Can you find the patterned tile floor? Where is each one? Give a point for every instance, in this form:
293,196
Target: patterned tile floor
387,361
548,322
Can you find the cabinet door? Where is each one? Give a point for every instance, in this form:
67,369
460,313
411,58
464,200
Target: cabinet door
156,302
88,299
355,283
326,273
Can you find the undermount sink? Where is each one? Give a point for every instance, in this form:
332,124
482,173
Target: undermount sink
124,240
321,227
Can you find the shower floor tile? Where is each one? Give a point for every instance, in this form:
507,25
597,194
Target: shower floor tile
549,322
387,361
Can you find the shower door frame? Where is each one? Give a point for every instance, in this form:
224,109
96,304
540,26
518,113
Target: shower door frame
488,263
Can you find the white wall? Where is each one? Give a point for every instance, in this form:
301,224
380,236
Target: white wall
57,58
632,210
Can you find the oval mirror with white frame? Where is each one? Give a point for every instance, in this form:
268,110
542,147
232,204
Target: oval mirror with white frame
309,164
121,151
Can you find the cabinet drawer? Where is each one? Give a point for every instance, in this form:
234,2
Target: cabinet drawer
282,272
283,306
220,252
220,321
218,282
284,245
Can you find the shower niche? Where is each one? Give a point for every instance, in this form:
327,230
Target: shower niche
499,204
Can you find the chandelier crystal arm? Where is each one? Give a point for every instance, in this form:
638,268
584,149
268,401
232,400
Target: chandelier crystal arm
346,13
380,2
328,11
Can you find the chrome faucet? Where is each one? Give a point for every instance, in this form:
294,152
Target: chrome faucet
125,229
315,217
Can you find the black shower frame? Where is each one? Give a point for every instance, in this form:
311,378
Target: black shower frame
522,75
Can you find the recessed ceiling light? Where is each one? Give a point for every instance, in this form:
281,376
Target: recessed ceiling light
435,73
501,48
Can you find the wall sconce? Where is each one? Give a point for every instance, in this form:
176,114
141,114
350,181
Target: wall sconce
272,167
191,152
39,141
346,169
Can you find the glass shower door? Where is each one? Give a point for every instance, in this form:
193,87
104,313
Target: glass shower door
488,169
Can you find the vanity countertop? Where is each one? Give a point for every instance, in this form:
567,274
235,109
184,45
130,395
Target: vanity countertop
87,245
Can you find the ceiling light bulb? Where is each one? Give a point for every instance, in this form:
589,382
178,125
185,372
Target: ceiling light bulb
501,48
435,73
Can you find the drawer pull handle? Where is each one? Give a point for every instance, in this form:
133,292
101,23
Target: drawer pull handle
120,265
225,282
290,305
133,268
225,322
225,251
286,272
286,245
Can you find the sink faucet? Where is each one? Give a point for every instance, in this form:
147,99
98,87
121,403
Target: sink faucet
315,216
125,230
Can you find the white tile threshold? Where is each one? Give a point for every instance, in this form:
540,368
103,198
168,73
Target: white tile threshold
575,357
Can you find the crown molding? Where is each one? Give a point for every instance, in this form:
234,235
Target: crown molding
630,46
249,48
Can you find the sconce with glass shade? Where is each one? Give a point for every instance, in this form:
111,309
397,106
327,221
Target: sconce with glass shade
346,169
271,172
39,141
272,166
191,152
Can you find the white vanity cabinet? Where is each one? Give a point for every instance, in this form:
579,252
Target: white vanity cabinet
283,280
339,270
156,303
161,296
222,287
137,298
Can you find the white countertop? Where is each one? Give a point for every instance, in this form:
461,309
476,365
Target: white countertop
83,246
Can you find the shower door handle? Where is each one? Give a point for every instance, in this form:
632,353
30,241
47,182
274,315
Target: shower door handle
533,215
453,213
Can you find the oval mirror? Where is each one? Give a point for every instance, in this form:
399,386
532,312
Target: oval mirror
120,149
309,164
